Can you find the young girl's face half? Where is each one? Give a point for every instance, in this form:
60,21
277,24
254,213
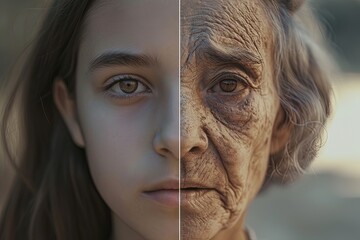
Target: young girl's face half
127,102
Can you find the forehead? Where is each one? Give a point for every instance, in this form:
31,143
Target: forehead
231,24
134,26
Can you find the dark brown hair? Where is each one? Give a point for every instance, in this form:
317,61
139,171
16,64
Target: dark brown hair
53,195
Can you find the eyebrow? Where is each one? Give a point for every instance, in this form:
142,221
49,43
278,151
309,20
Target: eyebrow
236,56
122,58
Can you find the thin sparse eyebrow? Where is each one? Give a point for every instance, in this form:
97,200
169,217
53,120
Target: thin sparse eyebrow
122,58
235,56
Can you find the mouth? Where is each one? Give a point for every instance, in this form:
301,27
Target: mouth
193,191
165,193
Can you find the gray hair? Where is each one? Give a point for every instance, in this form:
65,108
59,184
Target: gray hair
303,87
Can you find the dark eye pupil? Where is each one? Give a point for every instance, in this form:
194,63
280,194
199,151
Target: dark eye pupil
228,85
128,86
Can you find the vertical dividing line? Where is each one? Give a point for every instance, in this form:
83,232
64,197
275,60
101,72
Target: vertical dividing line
179,16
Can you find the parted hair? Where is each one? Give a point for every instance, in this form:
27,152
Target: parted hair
303,87
53,195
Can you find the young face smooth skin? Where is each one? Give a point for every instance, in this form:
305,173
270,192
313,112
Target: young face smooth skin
125,113
229,114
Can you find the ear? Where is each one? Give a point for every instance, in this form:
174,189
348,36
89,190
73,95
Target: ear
281,133
292,5
66,105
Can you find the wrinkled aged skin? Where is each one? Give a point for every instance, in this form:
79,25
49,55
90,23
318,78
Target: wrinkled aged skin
226,137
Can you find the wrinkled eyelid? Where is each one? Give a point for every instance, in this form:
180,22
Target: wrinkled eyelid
249,62
230,76
246,80
217,88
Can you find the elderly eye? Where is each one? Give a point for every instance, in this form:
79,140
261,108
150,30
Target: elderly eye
229,86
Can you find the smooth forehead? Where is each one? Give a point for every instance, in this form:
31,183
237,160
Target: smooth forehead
148,27
224,24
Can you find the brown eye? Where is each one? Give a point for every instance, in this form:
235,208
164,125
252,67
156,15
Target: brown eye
228,85
128,86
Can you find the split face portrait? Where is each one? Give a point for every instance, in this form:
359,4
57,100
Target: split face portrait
180,112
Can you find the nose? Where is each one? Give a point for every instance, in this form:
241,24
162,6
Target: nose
166,141
193,138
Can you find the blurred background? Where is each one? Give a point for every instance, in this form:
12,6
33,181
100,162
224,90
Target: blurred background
325,203
322,205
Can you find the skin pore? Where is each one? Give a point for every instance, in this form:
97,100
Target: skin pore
230,114
125,113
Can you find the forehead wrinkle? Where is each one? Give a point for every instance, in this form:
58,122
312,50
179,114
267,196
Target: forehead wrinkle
231,23
223,25
210,52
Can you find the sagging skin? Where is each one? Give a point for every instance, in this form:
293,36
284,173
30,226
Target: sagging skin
230,114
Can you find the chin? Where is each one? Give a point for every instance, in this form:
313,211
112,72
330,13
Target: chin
197,229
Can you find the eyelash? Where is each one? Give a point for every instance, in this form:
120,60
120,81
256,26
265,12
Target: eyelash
121,78
235,77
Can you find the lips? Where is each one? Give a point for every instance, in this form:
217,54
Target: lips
192,194
191,184
165,193
193,191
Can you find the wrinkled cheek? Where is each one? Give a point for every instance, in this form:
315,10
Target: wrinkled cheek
236,159
237,115
234,131
260,157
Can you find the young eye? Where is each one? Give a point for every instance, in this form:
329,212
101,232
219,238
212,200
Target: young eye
126,86
229,86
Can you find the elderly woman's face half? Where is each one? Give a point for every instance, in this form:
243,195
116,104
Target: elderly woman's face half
230,118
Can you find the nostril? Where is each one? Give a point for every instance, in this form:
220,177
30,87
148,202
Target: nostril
164,151
195,150
194,142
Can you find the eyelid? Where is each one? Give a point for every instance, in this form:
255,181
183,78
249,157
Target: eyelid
117,78
123,97
229,76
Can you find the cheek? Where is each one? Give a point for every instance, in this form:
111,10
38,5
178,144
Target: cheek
261,144
241,135
237,113
117,140
249,134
